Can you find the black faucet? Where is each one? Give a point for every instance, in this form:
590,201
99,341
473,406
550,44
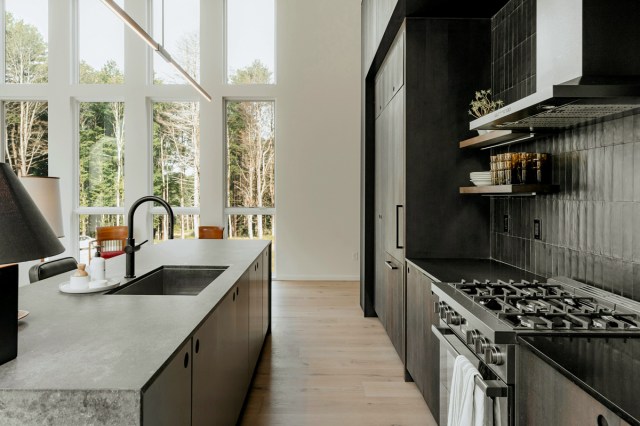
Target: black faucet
131,248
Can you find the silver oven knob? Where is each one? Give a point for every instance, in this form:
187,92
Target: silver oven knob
438,306
444,310
472,335
453,318
493,355
481,344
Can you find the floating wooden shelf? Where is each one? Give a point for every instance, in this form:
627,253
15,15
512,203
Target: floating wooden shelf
499,137
506,190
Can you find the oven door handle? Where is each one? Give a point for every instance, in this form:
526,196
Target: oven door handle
491,388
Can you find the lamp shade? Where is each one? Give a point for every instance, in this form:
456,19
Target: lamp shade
24,232
45,192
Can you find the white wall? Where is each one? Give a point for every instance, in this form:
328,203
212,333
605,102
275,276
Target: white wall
318,137
317,128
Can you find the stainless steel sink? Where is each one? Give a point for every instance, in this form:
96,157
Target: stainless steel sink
172,281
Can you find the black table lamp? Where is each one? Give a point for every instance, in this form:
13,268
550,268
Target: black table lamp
24,235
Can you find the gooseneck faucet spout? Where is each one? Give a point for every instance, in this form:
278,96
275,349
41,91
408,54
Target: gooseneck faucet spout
131,248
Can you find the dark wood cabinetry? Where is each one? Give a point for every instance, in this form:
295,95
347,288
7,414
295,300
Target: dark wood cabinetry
423,356
205,383
167,400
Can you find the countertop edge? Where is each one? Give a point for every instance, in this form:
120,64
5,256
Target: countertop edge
576,380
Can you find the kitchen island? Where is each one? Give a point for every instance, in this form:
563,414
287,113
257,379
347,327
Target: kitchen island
101,359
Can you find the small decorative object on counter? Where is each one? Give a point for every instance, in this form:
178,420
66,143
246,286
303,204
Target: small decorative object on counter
482,105
514,168
80,280
98,266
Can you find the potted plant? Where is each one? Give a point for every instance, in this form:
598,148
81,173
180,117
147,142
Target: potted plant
482,105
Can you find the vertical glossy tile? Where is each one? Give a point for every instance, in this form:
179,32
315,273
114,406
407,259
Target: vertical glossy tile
597,272
627,172
599,166
616,230
627,279
627,132
598,230
574,264
617,169
589,268
582,225
599,134
590,226
627,223
590,175
607,187
635,239
582,267
606,229
636,169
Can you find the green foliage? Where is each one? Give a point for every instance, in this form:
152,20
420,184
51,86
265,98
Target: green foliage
25,52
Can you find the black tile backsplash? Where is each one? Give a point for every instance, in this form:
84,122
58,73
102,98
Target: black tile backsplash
513,51
591,228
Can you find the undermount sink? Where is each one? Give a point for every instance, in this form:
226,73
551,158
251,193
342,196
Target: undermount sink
172,281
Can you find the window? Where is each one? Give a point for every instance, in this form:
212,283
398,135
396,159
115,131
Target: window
26,35
100,44
176,165
250,41
101,169
26,137
175,25
184,227
250,128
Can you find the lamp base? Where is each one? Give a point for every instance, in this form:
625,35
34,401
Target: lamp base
8,312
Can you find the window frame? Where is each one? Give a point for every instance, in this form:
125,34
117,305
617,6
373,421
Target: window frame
231,211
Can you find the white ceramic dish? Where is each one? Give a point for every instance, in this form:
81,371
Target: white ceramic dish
111,283
481,183
22,314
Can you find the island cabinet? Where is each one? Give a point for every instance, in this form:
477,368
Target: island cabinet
206,381
167,401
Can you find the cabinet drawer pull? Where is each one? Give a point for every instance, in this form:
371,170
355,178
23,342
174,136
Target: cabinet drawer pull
234,297
390,265
186,360
197,345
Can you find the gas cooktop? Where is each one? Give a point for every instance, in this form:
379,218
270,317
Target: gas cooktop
560,304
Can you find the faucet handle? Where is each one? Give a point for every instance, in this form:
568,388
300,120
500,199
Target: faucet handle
141,244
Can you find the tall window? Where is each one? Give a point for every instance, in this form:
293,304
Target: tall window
101,169
250,128
26,137
100,44
26,35
175,25
176,166
250,41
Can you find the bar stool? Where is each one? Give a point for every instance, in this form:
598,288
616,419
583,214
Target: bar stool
210,232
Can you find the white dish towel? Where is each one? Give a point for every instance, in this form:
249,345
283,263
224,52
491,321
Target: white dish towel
466,402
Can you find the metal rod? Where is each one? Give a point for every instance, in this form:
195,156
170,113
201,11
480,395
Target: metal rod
131,23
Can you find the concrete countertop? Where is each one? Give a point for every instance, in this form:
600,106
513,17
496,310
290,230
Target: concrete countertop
88,342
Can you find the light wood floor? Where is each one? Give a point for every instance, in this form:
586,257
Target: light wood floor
325,364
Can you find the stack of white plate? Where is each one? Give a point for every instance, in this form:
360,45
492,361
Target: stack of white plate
480,178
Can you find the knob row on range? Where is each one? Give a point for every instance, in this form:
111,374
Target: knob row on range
481,345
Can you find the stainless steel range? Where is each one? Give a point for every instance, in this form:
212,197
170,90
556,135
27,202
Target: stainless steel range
481,320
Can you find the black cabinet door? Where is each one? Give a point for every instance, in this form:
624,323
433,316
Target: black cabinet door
255,313
416,323
395,322
241,338
266,291
208,403
167,400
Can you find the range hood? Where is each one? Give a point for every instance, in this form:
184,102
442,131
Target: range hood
587,67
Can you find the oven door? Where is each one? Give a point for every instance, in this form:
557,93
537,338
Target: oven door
497,394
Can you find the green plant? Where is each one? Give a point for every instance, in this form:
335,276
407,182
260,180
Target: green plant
483,105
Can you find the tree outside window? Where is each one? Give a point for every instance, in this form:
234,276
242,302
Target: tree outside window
176,163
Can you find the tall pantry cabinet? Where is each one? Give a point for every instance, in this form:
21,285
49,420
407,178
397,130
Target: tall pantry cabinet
421,93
